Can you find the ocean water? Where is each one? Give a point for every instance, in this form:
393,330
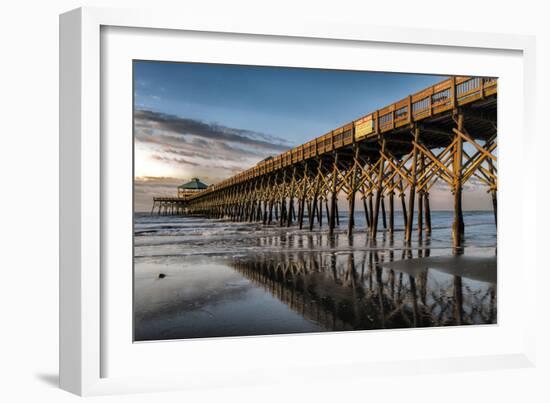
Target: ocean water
196,277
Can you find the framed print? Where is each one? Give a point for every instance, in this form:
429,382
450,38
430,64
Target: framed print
237,198
304,239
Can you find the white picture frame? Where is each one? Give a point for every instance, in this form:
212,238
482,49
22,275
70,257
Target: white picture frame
83,295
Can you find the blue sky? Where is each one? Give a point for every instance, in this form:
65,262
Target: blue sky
289,103
212,121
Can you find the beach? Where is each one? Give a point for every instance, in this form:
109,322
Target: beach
196,277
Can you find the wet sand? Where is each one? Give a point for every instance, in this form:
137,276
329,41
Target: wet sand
202,298
226,279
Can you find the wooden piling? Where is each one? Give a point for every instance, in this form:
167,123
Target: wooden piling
351,195
333,196
494,199
282,212
367,215
420,196
302,199
260,212
427,214
313,209
371,211
383,208
380,178
403,209
493,191
310,206
351,212
392,212
283,203
408,232
320,212
458,222
291,199
419,217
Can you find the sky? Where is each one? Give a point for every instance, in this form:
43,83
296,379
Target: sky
211,121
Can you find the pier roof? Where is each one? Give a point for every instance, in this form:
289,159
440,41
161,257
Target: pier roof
194,184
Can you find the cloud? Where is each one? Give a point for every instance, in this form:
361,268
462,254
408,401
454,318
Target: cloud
185,126
194,143
146,187
177,160
187,148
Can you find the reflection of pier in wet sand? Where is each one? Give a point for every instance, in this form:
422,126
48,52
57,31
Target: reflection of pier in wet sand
239,282
356,290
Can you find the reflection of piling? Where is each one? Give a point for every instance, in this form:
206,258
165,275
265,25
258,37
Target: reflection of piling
458,300
338,295
288,282
412,283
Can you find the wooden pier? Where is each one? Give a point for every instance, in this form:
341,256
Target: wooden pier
393,155
169,205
